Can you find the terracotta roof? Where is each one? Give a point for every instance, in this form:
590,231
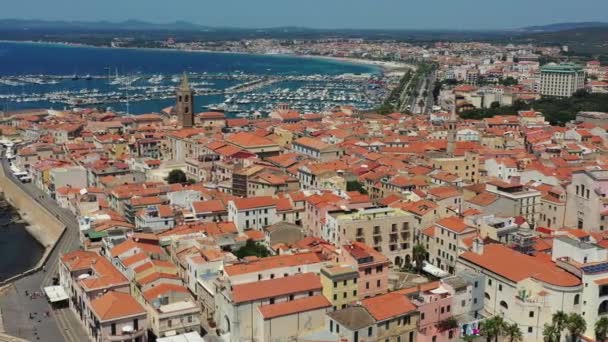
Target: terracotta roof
254,202
388,305
294,306
297,283
453,223
161,289
516,266
273,262
114,305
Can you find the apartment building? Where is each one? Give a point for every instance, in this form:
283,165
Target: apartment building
586,200
387,230
561,80
340,284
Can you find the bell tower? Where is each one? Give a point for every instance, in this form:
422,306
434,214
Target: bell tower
184,103
452,124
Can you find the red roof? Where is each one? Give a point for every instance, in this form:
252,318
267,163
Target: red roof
303,282
294,306
388,305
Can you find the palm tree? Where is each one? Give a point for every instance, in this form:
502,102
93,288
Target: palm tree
559,320
492,328
419,255
513,333
576,325
601,329
550,333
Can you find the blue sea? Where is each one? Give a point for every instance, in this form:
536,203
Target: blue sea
55,59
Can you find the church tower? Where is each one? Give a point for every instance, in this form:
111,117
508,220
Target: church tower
184,103
451,147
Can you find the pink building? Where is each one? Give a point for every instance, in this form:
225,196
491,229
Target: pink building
371,265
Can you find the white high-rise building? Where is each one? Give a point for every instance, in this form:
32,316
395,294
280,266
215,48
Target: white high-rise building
561,80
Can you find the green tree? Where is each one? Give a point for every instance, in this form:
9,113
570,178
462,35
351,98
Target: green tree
252,248
576,325
513,333
419,255
176,176
559,320
492,328
355,185
495,105
550,333
601,329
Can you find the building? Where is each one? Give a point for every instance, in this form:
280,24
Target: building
317,149
253,213
388,317
117,316
523,289
339,285
586,202
388,230
237,305
371,265
561,80
184,104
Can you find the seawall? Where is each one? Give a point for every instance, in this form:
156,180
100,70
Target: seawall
42,225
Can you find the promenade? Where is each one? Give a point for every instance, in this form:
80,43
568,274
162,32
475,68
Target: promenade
16,306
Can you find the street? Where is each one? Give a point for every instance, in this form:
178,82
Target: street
16,305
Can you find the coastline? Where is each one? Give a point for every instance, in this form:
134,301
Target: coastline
383,66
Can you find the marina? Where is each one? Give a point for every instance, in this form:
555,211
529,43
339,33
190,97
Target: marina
236,92
138,81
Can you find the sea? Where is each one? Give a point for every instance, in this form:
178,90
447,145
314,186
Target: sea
19,251
43,59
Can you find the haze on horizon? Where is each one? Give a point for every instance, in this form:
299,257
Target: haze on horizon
364,14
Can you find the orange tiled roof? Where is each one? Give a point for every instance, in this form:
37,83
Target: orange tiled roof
294,306
303,282
500,259
114,305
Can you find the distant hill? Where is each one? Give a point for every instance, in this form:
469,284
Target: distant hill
558,27
586,41
128,25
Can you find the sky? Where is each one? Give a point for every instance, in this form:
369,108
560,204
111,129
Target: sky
373,14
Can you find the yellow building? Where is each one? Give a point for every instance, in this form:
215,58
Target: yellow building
339,285
464,166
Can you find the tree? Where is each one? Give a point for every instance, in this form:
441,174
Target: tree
251,248
355,185
513,333
550,333
495,105
492,328
419,255
576,325
601,329
559,320
176,176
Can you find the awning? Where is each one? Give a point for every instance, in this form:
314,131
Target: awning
439,290
435,271
55,293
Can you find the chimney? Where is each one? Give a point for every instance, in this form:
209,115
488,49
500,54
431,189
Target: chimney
478,245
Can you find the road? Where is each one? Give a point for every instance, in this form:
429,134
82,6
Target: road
16,306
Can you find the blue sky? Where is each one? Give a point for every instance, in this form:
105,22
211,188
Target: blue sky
407,14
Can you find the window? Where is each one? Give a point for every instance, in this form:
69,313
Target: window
335,296
449,307
531,314
370,330
499,287
490,282
331,326
355,293
113,329
271,300
335,284
379,269
378,283
345,282
344,295
367,285
136,324
530,330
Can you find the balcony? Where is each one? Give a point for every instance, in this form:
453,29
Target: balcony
127,336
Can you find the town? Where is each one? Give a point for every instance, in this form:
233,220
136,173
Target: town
455,203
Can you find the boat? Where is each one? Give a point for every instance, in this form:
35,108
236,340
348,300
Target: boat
75,77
